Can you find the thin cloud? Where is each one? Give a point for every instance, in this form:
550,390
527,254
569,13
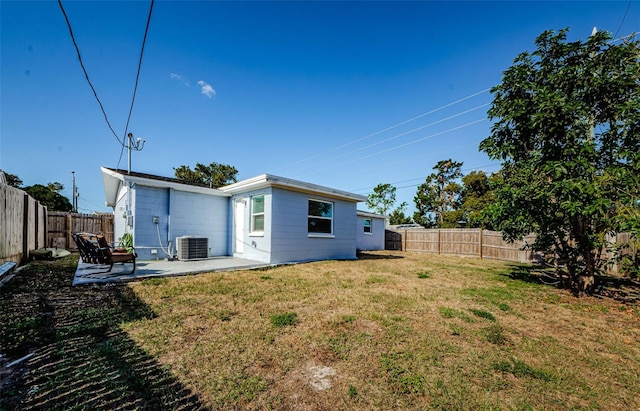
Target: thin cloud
180,78
206,89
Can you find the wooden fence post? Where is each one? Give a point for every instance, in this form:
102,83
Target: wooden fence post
404,240
25,228
67,229
480,242
36,232
438,241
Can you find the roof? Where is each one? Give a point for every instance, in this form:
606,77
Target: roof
114,179
368,214
268,180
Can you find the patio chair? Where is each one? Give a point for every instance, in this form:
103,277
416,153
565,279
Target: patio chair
95,250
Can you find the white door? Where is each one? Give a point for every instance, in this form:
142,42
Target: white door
239,224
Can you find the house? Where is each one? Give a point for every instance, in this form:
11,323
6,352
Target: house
370,232
267,218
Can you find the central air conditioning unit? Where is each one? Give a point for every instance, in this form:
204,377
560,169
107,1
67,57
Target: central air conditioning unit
192,248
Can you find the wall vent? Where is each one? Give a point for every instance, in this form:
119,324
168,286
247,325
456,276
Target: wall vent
192,248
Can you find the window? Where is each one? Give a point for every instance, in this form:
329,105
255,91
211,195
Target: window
257,213
320,219
367,225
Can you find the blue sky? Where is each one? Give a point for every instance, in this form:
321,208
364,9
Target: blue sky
342,94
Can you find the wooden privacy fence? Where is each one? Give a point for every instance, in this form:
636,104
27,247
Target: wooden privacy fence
23,224
62,225
484,244
461,241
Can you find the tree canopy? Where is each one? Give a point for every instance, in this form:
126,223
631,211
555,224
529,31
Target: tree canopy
397,216
475,197
382,198
214,175
567,130
50,196
437,199
12,179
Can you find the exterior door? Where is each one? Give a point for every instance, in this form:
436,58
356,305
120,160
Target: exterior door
239,226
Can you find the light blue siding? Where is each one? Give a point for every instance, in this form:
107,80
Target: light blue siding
257,246
179,213
149,202
373,240
203,216
290,240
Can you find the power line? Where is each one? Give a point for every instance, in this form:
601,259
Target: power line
406,160
385,129
95,94
623,18
400,146
423,178
397,136
135,87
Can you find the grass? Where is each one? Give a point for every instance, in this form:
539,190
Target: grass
284,320
366,334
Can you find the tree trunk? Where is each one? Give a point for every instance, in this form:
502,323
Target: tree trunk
585,284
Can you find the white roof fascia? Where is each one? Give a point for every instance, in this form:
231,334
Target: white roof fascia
109,175
370,215
267,180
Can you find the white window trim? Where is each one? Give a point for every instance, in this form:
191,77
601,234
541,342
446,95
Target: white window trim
256,233
370,232
321,235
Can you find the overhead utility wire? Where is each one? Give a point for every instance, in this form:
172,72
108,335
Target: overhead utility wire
423,178
398,146
406,160
95,94
396,136
135,87
623,18
387,129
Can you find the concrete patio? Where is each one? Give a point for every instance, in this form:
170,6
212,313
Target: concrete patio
91,273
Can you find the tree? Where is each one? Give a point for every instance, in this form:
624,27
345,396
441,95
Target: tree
214,175
476,196
439,196
397,216
12,179
567,130
50,196
382,198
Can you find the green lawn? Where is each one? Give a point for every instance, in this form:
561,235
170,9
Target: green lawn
392,330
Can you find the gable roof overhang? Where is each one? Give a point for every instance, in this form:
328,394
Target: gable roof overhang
268,180
114,180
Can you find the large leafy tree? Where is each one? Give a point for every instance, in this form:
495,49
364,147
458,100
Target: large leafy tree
567,129
214,175
12,179
50,196
382,198
476,196
437,199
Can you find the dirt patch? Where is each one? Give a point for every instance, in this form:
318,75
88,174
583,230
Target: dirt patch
319,377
